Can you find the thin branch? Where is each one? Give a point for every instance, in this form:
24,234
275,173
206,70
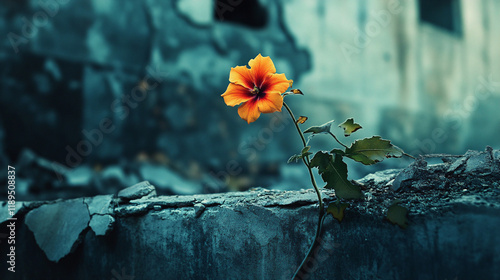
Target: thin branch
321,217
336,139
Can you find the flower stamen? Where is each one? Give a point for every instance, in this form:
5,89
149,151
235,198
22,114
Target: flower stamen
255,90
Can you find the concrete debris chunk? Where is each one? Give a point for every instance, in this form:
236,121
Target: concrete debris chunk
199,209
479,163
455,166
100,204
404,176
102,224
58,227
380,178
131,210
137,191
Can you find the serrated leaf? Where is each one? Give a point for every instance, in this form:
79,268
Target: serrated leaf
349,127
334,172
302,119
324,128
338,152
337,210
372,150
397,215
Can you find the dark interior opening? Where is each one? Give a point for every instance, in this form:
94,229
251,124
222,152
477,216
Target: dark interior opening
444,14
245,12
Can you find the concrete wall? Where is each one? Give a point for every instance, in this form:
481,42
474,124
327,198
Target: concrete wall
454,218
424,87
248,241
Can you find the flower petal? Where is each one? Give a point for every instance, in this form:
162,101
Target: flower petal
249,111
241,75
236,94
270,103
261,68
276,83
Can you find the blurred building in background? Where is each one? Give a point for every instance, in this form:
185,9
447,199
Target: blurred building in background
97,95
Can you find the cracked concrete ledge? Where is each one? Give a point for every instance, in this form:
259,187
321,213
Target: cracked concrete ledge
454,213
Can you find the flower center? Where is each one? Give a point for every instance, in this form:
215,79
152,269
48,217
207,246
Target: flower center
255,90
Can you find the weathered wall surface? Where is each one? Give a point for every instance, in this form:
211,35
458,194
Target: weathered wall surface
256,242
454,218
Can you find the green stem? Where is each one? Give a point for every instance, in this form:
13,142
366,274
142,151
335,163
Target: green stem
336,139
296,124
415,158
313,245
307,163
306,158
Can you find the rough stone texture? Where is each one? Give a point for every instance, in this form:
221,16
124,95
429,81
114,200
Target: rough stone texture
101,224
101,204
57,227
137,191
472,170
454,216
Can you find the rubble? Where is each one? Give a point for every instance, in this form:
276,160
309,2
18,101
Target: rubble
58,227
101,224
137,191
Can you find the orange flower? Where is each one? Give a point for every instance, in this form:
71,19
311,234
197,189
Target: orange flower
258,88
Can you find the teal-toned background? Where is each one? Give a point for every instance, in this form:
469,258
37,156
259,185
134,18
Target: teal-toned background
99,95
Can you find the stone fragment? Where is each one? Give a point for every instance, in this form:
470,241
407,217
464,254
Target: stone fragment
167,180
115,176
380,178
403,176
157,207
496,155
100,204
454,167
131,210
137,191
58,227
479,163
40,170
199,208
80,176
411,172
101,224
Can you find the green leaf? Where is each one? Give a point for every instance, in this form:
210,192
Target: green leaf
334,172
304,153
305,149
397,215
294,158
338,152
349,127
324,128
372,150
337,210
